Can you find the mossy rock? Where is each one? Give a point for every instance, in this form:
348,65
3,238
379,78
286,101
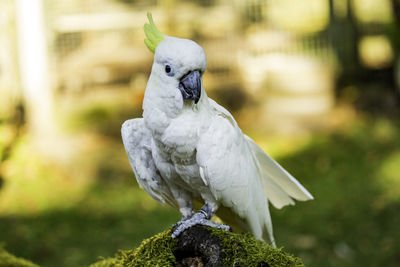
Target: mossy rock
8,260
202,246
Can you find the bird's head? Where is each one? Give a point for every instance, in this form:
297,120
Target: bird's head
178,63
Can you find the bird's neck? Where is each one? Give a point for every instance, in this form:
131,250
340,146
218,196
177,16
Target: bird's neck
159,109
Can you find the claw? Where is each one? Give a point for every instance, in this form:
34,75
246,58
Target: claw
176,225
197,219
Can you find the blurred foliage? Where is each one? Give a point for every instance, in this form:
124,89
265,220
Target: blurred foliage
8,260
373,11
353,220
284,14
108,218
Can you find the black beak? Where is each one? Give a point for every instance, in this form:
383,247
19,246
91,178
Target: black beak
190,86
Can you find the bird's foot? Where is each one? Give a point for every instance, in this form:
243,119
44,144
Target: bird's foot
199,218
176,225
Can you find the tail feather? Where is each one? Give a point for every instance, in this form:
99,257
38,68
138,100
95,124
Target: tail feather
268,230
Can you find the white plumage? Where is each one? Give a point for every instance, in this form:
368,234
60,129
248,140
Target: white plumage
183,152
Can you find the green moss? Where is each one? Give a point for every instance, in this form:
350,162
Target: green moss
109,262
8,260
245,250
154,251
240,250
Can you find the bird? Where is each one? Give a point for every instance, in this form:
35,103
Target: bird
188,151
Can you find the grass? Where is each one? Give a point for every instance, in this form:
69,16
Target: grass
8,260
353,221
106,220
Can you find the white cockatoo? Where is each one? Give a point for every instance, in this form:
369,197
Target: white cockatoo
188,149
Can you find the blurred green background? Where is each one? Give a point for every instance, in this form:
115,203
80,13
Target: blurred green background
314,82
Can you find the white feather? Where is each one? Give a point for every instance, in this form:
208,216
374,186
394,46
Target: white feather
137,138
278,183
202,175
233,173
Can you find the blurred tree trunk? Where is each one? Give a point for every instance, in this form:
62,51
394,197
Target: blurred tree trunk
396,11
9,86
34,69
345,37
11,110
395,39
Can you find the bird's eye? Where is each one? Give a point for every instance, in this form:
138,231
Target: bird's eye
168,70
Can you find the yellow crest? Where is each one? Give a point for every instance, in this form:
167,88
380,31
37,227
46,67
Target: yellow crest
154,36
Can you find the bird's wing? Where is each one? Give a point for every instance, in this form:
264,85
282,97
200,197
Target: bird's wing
137,142
231,173
221,159
279,185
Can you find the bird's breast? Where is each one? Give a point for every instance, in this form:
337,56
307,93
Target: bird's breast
182,135
176,147
183,160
